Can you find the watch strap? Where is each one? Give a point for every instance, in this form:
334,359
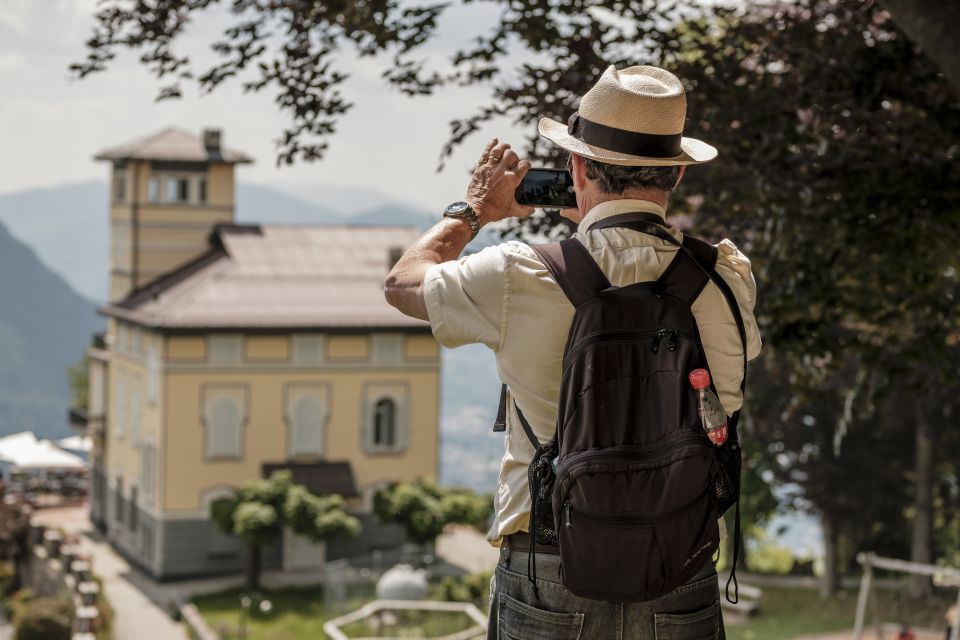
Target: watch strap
470,216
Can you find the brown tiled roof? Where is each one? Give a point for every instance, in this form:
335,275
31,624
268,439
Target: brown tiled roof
277,276
172,145
322,478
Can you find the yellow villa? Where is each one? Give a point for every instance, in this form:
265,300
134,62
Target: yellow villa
235,350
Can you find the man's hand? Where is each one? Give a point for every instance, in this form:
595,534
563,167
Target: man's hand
490,195
494,183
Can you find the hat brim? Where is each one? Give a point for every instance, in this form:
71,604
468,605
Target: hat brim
694,151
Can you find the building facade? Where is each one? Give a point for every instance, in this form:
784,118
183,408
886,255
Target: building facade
261,348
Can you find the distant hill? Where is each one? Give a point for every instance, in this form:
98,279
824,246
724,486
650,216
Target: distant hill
45,326
67,227
256,203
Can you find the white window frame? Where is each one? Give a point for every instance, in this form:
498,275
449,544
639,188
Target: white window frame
154,188
387,348
309,349
153,372
390,428
119,403
373,394
295,395
148,472
225,349
136,410
213,397
158,185
172,182
119,185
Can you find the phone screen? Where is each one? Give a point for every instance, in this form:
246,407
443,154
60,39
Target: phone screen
551,188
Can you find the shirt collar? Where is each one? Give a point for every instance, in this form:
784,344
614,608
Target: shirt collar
615,207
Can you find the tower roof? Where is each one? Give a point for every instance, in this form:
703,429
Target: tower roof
176,145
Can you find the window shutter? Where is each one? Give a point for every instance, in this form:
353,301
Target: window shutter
366,425
224,425
135,413
403,423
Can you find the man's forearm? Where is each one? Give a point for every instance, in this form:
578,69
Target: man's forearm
444,241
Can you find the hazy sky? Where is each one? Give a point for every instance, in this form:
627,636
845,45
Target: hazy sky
51,125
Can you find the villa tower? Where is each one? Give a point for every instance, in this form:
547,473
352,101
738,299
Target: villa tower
168,191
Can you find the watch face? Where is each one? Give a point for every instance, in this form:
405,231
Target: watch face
456,207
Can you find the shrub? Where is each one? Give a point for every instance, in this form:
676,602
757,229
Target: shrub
471,588
44,619
8,573
14,603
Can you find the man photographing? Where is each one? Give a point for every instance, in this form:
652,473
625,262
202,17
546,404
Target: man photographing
596,339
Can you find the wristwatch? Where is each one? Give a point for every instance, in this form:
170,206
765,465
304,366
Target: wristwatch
463,211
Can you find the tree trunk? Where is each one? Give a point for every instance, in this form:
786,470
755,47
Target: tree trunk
931,24
253,567
920,547
831,543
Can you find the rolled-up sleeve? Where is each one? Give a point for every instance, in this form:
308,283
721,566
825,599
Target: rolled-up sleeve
735,269
465,298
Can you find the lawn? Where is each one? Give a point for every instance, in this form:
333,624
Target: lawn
299,614
790,613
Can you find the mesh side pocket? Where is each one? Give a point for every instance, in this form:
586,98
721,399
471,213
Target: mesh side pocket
726,479
540,479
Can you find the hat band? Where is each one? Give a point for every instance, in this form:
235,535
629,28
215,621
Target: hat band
648,145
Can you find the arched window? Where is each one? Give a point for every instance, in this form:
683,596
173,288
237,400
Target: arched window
385,423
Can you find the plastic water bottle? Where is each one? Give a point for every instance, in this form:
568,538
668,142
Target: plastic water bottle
712,415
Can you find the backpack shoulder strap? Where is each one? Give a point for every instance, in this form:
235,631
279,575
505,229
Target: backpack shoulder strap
574,269
685,277
704,256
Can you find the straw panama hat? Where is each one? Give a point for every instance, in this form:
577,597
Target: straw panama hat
631,117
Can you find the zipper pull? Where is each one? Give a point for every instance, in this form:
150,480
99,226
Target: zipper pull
656,340
672,342
566,514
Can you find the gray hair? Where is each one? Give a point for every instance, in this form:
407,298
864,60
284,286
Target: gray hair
615,178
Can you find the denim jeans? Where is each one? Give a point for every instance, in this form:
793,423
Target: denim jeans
690,612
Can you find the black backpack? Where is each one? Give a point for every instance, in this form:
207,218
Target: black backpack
630,487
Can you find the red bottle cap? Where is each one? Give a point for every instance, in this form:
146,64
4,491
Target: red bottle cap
699,378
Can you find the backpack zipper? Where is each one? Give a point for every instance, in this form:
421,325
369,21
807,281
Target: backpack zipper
624,520
626,337
642,452
685,441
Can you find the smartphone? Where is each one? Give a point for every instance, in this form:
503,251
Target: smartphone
548,188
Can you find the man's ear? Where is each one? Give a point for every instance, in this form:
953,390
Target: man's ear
683,170
578,171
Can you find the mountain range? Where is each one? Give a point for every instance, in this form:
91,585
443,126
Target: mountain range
53,273
44,327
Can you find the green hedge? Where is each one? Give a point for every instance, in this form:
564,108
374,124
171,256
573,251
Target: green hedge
44,619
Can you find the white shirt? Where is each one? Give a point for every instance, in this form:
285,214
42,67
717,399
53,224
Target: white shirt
505,298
